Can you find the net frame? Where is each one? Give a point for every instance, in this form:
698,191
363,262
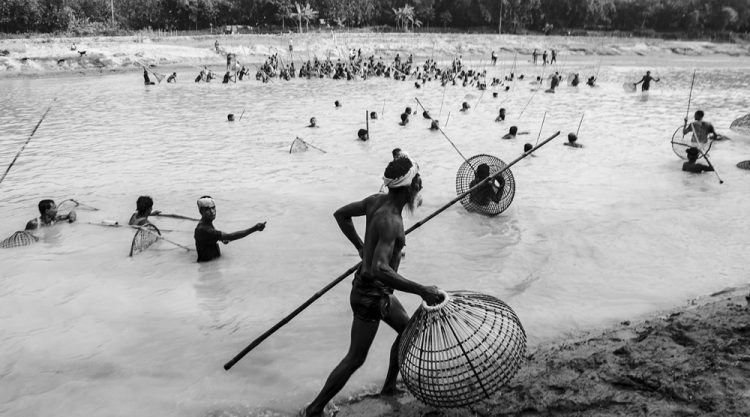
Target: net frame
298,145
680,145
66,206
467,172
462,351
69,204
18,239
144,237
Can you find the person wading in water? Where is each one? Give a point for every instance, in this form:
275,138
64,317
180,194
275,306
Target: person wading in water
692,165
702,130
143,209
207,237
646,80
371,297
48,216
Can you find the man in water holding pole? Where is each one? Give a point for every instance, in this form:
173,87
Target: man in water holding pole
372,298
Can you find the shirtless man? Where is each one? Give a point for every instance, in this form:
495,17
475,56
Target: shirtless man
513,132
313,122
702,131
692,165
501,115
371,297
491,191
143,209
572,138
48,216
646,80
207,237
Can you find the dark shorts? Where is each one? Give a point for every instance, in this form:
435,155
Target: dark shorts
369,302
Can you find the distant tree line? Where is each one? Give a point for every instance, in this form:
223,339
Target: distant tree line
508,16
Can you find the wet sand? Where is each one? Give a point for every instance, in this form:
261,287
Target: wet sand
690,361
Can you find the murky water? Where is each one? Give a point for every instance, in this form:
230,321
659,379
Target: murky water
594,236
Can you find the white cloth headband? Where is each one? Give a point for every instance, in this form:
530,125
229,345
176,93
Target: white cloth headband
404,180
206,202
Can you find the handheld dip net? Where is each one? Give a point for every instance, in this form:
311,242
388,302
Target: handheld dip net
146,236
485,200
461,351
298,145
681,143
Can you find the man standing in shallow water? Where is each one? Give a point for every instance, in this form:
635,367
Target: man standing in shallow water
646,80
371,297
207,237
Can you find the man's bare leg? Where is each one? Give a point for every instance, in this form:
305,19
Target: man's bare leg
362,335
397,319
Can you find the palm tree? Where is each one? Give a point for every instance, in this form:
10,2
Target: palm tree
306,13
284,11
405,15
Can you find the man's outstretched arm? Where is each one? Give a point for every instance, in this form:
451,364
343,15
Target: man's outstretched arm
228,237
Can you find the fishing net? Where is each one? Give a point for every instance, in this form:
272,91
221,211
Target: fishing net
741,125
462,350
629,87
66,206
20,238
146,236
743,165
681,143
298,145
485,199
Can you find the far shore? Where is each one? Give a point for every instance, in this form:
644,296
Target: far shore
44,56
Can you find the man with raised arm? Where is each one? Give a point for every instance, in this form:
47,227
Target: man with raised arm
646,80
207,237
48,216
371,297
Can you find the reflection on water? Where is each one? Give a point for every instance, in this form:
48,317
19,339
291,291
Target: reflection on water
594,235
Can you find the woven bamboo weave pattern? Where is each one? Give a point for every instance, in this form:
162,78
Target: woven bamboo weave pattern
466,174
20,238
463,352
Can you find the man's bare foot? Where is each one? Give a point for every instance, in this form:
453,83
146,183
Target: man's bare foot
391,391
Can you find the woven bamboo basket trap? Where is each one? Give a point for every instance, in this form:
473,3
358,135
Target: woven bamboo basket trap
461,351
487,206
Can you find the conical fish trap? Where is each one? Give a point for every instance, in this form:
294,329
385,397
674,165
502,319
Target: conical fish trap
18,239
479,201
462,350
741,125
